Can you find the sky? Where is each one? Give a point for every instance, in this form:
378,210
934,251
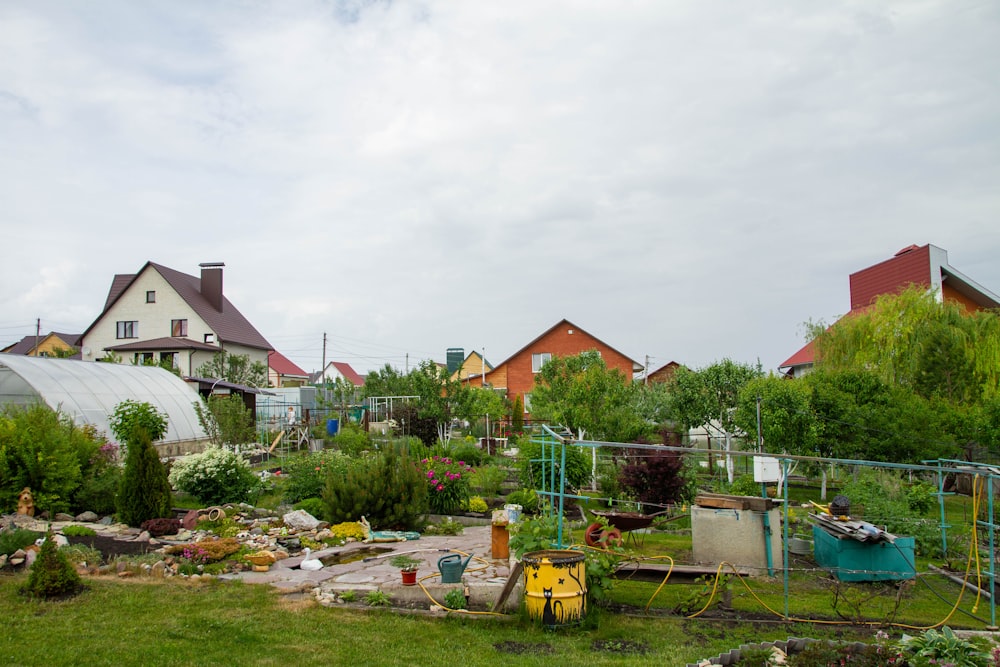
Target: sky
686,181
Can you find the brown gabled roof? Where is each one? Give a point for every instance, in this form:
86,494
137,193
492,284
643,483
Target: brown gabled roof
27,344
229,324
166,343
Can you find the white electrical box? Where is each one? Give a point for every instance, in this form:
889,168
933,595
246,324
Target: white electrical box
766,469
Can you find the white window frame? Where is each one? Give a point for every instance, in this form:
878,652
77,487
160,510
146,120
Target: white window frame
539,359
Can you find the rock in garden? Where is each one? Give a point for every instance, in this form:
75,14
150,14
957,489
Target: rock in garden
300,520
144,536
190,520
107,521
61,540
62,516
88,517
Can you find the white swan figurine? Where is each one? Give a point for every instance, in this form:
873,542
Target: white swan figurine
310,564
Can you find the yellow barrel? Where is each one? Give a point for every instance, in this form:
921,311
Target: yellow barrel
555,586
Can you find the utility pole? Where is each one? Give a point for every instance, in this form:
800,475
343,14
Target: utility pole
645,379
38,332
322,371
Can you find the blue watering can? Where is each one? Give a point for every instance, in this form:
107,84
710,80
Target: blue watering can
452,566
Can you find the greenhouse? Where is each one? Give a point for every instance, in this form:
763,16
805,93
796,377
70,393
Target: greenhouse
88,392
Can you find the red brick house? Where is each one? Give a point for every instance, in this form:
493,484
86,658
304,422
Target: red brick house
924,266
516,374
664,373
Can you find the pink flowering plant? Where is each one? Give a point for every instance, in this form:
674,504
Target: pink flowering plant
447,483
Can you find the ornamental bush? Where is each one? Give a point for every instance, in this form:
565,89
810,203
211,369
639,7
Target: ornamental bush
215,476
387,489
45,451
447,483
532,468
305,476
659,479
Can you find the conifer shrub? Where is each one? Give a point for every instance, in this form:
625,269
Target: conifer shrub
52,574
144,492
387,489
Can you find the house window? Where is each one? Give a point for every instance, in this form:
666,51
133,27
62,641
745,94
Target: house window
540,359
179,328
168,359
210,338
128,329
150,296
143,358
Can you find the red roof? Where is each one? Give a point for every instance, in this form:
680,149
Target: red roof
348,372
806,355
282,365
909,266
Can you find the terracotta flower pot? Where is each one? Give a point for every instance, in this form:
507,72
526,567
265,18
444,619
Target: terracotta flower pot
409,577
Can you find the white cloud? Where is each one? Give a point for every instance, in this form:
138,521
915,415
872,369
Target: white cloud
688,181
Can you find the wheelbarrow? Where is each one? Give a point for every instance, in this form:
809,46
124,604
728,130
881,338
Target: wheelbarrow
623,522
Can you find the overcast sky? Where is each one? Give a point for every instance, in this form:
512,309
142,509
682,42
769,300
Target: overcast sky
685,180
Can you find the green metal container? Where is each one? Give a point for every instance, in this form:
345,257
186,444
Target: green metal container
851,560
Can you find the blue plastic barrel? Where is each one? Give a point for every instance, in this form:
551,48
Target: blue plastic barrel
332,426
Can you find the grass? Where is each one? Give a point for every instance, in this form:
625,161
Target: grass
178,623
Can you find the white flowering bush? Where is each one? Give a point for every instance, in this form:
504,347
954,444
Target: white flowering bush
215,476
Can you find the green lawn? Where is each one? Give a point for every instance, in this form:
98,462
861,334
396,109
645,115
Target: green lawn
177,623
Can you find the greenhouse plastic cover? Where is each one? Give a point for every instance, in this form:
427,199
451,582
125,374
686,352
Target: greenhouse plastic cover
88,391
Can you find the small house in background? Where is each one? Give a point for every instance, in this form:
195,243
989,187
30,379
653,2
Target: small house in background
471,365
516,374
663,374
924,266
282,372
334,370
51,344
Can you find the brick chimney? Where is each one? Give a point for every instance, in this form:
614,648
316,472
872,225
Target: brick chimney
211,283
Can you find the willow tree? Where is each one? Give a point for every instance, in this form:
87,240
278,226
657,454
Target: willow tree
934,348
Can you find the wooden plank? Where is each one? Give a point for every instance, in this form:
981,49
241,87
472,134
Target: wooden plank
276,441
508,588
719,500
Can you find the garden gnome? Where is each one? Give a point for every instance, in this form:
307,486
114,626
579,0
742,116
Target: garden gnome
26,503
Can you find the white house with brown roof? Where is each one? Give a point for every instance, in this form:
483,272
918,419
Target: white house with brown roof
162,314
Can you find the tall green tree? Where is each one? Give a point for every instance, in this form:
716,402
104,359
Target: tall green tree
583,394
912,340
235,368
787,424
708,397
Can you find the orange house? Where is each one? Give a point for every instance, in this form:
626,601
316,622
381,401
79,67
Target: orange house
516,374
924,266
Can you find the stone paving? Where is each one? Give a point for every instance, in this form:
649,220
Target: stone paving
484,576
